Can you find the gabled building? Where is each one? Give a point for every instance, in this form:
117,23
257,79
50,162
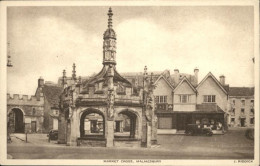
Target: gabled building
181,100
51,93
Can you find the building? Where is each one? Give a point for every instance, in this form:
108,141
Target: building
242,112
51,93
25,114
181,100
94,111
38,114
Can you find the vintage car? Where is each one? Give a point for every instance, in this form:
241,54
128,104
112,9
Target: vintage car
53,135
193,129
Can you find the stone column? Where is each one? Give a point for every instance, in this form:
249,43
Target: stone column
62,129
72,128
110,133
149,135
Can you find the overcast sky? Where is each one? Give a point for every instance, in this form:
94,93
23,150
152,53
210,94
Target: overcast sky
46,40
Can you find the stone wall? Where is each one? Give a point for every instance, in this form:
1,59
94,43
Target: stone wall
31,108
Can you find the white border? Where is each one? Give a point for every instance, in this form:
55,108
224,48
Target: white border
3,17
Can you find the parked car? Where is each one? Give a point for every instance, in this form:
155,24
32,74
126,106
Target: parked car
193,129
53,135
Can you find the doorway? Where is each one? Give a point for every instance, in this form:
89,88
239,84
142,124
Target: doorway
242,122
183,120
16,120
33,126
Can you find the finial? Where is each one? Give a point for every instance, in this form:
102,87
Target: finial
110,14
64,73
145,70
9,63
151,78
74,71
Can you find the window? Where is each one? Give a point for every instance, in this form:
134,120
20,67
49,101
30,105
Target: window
242,110
164,122
161,99
184,98
252,110
243,102
156,99
233,120
252,120
252,102
209,98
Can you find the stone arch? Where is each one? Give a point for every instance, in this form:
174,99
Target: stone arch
16,120
134,121
83,115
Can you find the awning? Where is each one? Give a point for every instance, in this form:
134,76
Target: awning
208,108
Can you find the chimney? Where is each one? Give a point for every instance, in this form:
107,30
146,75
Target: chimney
196,74
222,79
176,76
40,82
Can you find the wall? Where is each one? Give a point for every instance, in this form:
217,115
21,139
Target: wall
184,88
32,109
237,106
210,87
163,89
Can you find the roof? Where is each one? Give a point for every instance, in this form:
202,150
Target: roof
185,79
102,77
214,78
241,91
165,81
208,108
52,94
136,78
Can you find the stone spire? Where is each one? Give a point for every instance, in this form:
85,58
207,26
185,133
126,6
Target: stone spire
110,14
74,72
109,44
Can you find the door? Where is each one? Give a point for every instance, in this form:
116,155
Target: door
183,120
33,126
242,121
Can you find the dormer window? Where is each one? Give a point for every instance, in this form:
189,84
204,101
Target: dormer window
209,98
184,98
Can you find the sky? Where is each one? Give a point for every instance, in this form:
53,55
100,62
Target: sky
46,40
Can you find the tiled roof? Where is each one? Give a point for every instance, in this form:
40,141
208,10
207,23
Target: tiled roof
208,108
241,91
52,94
101,77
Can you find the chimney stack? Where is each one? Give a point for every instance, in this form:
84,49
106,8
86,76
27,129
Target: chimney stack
40,82
176,76
196,74
222,79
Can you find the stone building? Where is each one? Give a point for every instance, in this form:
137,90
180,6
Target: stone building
25,114
242,113
98,103
50,93
36,114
